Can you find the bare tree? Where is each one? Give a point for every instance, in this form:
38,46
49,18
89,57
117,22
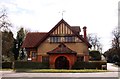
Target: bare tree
4,22
116,38
7,36
94,41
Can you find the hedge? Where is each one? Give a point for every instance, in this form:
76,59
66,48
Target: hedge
39,65
95,55
89,65
7,65
30,65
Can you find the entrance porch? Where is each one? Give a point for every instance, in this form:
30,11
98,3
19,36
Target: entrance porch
62,57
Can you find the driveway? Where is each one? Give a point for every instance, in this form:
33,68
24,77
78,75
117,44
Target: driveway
112,67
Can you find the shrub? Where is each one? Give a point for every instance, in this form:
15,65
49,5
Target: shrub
89,65
30,65
117,63
7,65
95,55
112,55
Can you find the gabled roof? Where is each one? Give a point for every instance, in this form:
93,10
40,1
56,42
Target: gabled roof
53,29
61,49
32,39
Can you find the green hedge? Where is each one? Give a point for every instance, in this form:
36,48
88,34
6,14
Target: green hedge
89,65
30,65
95,55
7,65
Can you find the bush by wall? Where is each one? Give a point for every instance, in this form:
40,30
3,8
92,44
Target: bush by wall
30,65
95,55
117,63
89,65
7,65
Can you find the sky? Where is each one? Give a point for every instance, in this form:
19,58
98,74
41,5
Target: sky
99,16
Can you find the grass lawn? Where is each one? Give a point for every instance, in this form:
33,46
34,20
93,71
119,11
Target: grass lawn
59,70
5,69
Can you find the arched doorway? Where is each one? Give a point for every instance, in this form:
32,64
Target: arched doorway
61,63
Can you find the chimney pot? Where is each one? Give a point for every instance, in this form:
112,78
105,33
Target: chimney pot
85,33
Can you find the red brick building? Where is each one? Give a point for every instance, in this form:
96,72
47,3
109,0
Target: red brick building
62,46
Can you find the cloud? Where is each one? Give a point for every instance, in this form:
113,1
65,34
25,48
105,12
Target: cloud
100,16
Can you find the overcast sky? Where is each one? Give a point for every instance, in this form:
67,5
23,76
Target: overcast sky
100,16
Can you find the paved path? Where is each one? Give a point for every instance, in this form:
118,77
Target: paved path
112,67
105,74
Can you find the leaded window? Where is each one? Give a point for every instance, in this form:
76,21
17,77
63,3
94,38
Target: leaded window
56,39
33,54
45,58
69,39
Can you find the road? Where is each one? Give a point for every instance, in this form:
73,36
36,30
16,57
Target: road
113,74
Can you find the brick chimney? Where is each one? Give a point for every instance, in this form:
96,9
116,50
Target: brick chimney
85,33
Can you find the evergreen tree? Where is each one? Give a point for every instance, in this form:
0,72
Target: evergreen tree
18,43
7,45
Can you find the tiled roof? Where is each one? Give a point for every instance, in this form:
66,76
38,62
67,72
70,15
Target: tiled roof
76,28
32,39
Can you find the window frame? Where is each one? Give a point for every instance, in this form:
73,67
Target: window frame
45,58
58,39
34,54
